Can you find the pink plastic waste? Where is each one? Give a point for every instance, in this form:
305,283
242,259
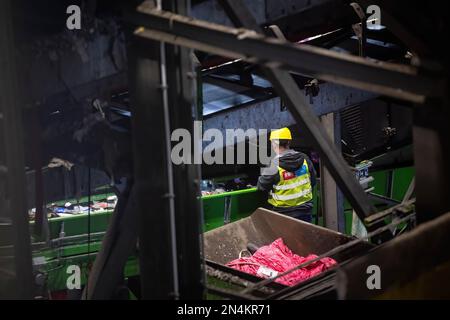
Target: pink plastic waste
269,261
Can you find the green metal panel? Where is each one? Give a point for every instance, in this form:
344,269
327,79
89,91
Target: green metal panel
243,203
401,181
78,224
57,275
58,259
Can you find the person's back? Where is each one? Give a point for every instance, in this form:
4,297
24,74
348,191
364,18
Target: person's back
289,184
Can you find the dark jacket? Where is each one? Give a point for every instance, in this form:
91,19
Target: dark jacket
291,161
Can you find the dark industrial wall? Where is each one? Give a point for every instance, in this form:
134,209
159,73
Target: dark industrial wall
63,184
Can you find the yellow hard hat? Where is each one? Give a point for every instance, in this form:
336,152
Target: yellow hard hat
281,134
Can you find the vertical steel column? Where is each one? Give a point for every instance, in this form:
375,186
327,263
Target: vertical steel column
168,196
332,197
431,139
41,219
20,276
339,194
150,171
181,80
118,244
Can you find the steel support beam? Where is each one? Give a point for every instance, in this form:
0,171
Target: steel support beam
41,219
169,212
389,79
187,204
300,109
118,244
236,85
269,114
155,220
16,280
331,196
168,250
313,18
431,142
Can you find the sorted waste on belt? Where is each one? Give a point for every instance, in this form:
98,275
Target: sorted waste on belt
54,211
210,187
275,258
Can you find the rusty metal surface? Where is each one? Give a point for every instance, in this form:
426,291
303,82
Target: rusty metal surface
224,244
264,226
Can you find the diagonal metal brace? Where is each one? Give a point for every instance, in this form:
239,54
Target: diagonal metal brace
399,81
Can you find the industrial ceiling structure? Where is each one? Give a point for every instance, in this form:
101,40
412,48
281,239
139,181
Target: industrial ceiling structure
107,97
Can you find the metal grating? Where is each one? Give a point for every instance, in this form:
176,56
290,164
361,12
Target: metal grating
352,123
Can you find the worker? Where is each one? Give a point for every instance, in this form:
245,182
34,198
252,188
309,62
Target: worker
289,180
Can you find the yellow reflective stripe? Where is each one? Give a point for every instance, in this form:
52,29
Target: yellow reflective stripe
291,192
290,196
292,185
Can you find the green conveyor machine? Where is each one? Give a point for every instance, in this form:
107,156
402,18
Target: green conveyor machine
71,244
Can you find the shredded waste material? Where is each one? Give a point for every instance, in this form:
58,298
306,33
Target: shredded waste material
216,191
275,258
210,187
53,210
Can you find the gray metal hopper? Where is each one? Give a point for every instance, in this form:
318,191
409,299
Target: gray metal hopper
263,226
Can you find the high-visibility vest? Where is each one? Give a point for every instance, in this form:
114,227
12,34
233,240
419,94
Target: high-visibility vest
293,189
